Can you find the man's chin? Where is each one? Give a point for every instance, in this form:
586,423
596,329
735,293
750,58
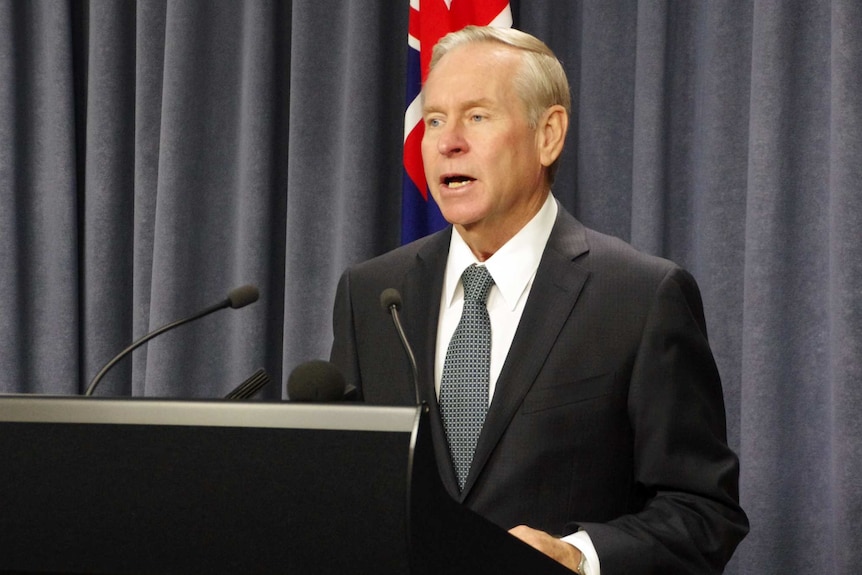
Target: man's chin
459,219
460,212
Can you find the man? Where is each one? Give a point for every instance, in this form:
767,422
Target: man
605,419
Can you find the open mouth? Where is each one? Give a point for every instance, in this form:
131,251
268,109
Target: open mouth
453,182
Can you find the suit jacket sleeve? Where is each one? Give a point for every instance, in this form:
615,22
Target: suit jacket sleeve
691,521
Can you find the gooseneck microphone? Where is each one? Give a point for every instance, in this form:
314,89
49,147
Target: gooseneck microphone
236,298
390,300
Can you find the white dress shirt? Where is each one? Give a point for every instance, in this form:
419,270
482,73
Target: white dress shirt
513,268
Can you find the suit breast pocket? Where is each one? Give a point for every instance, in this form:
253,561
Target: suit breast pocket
550,397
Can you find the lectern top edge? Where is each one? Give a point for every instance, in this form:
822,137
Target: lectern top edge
215,413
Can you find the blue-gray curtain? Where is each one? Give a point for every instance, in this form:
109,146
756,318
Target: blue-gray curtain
156,154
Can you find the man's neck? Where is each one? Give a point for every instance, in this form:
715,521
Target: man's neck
486,237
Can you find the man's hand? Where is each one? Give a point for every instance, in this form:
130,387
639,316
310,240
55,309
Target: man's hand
556,549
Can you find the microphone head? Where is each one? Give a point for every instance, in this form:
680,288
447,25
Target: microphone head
316,380
390,297
242,296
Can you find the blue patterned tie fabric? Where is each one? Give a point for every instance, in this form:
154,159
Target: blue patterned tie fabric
466,372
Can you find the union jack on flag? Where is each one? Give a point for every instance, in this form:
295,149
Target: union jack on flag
428,23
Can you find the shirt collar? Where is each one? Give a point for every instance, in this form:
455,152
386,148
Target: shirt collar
512,266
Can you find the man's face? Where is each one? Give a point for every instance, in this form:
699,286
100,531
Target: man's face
482,159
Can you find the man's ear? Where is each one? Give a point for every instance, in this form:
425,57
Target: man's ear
551,134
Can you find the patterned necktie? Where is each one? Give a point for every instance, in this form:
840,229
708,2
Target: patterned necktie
464,385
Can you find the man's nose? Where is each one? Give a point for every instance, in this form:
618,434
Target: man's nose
451,140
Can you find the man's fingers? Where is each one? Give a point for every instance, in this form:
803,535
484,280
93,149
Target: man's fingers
556,549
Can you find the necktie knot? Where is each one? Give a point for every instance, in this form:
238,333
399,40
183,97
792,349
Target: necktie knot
477,283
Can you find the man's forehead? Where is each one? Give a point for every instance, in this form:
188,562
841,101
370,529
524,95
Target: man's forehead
470,73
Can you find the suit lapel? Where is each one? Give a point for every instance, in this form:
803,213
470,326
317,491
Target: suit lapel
555,290
421,292
423,285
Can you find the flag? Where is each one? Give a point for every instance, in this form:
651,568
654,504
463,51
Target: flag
429,22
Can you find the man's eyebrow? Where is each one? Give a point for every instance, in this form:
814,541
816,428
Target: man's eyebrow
477,103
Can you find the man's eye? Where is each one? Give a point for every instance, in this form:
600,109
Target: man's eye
478,117
433,122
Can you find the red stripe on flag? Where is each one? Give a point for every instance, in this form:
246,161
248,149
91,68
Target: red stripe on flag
413,159
436,20
463,13
413,24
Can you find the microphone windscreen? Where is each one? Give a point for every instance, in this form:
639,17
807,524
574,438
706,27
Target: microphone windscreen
390,297
242,296
316,380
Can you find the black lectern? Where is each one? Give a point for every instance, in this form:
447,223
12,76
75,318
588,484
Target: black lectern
145,486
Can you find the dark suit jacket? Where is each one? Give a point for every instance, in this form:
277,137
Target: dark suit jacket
608,413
